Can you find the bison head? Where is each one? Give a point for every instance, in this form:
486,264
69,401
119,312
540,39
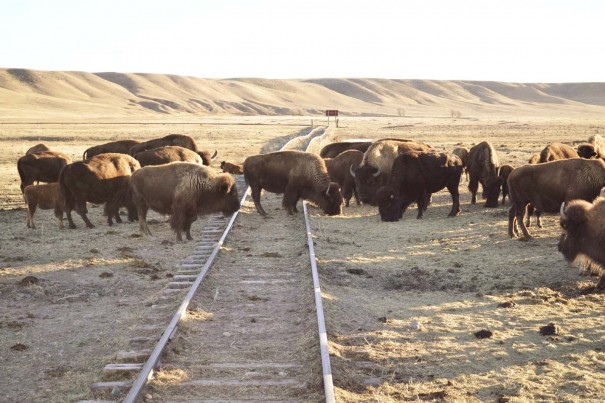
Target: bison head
586,151
207,158
367,182
331,200
226,199
491,190
390,205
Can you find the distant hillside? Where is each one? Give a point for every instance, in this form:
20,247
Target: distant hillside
46,94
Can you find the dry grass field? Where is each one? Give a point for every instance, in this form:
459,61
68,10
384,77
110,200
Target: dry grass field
403,300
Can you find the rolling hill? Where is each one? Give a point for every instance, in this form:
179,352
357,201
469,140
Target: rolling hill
31,94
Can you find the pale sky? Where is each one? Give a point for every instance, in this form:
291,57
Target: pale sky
507,40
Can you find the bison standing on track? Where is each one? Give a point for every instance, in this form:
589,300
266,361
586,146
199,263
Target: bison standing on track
557,151
120,146
43,166
339,169
583,225
37,148
165,155
296,174
332,150
482,163
545,186
183,190
414,177
375,168
103,178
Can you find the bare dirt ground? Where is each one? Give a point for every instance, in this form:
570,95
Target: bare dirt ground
403,300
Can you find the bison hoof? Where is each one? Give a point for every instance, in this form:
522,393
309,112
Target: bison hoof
72,226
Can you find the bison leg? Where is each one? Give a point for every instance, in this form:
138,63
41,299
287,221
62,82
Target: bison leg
59,216
142,213
530,212
473,186
538,218
519,213
291,196
421,202
31,209
513,232
82,211
255,190
453,189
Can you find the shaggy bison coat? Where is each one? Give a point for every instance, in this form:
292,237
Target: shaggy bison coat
482,164
583,225
181,140
334,149
557,151
103,178
37,148
165,155
43,166
232,168
415,176
45,196
296,174
375,169
545,186
339,169
184,190
595,148
120,146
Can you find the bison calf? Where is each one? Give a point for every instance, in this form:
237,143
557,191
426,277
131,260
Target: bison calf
583,225
296,174
230,168
339,169
46,196
184,190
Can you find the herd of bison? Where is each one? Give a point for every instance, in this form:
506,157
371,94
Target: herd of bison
171,175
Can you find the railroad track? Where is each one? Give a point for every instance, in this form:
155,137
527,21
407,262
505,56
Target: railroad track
251,328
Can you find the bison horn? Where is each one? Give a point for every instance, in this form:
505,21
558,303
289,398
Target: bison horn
562,211
328,191
214,155
377,174
351,171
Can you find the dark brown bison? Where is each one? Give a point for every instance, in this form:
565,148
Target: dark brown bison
296,174
482,163
375,168
503,173
339,169
103,178
414,177
37,148
595,148
232,168
583,225
462,153
43,166
164,155
332,150
545,186
557,151
184,190
120,146
181,140
46,196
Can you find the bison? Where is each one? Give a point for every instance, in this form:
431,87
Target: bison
120,146
557,151
332,150
503,173
414,177
595,148
46,196
228,167
164,155
462,153
545,186
181,140
103,178
339,169
375,168
297,175
184,190
482,163
43,166
37,148
583,225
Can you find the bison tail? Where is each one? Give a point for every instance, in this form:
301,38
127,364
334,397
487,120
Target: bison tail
64,191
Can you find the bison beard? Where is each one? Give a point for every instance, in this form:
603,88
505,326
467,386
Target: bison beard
583,234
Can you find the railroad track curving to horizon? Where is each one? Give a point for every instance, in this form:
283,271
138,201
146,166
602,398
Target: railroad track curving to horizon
248,319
